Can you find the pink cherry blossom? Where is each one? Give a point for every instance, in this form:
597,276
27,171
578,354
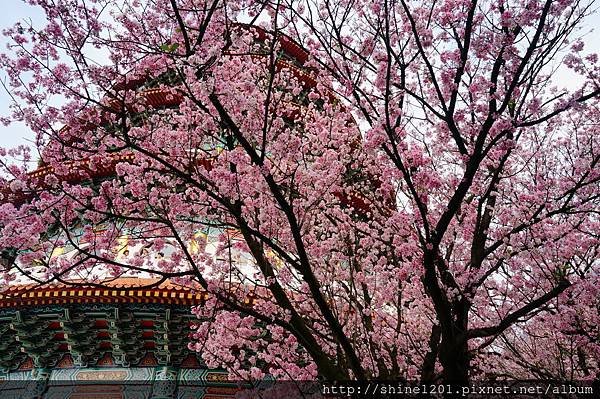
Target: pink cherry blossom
401,193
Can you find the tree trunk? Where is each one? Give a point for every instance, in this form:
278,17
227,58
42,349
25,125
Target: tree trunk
454,358
428,367
454,348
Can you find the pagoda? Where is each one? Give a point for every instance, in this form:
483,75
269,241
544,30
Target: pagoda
124,337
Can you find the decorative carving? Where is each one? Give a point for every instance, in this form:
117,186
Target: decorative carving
165,383
88,331
106,360
148,361
65,362
216,376
101,375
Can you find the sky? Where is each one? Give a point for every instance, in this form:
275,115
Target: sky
15,10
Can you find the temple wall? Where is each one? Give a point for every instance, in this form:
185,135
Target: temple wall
116,383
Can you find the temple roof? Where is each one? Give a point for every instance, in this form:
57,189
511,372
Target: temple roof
123,322
120,290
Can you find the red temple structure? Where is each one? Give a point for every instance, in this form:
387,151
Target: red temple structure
125,337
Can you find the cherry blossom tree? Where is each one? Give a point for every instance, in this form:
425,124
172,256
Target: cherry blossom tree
397,190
